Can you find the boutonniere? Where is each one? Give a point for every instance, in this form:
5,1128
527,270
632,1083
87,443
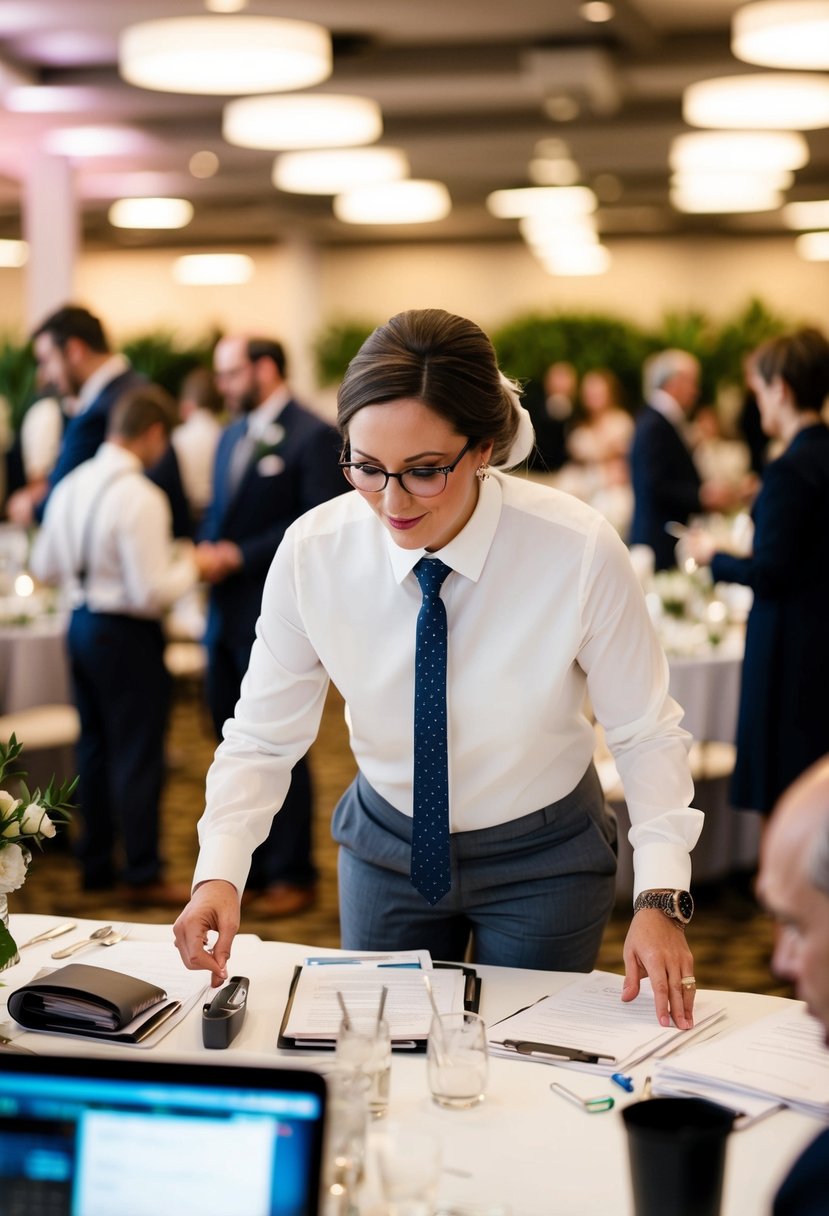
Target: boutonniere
269,440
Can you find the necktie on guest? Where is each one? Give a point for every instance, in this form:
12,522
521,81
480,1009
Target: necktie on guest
240,458
430,869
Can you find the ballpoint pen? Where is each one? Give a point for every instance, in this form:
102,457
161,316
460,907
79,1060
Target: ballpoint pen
526,1047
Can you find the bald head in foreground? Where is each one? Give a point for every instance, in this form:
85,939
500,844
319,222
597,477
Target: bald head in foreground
793,885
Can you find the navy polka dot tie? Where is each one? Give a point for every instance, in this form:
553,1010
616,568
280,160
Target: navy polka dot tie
430,871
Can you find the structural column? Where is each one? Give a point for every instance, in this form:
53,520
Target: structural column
51,225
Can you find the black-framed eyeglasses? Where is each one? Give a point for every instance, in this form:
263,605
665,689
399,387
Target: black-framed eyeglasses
425,482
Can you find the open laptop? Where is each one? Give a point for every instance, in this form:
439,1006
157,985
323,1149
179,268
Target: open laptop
122,1137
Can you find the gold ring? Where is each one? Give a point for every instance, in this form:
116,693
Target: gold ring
688,981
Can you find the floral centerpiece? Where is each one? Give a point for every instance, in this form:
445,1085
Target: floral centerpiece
24,821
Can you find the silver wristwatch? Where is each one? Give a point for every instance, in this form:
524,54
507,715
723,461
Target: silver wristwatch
679,905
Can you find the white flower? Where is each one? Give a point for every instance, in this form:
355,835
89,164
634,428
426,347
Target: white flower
35,821
7,804
13,862
273,434
12,830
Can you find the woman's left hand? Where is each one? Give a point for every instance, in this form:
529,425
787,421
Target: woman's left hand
656,947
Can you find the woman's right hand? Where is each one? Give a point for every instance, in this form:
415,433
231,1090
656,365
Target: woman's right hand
213,905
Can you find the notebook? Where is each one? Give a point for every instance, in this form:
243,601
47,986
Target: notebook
155,1138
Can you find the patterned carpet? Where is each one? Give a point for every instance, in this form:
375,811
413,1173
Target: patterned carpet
731,938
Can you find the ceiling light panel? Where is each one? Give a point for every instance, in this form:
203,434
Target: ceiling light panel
782,33
313,120
224,54
780,101
331,171
406,202
738,151
562,201
150,213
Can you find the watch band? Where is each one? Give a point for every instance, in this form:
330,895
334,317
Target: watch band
678,905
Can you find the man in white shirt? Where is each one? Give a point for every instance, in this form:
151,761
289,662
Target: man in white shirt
106,538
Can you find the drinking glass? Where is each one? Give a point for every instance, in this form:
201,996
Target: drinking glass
457,1060
345,1141
364,1046
409,1163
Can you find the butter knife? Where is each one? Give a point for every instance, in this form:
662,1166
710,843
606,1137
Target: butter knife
57,931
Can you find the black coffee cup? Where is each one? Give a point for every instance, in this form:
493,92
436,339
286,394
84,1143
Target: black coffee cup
677,1155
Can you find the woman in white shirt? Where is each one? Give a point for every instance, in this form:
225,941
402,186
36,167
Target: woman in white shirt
542,608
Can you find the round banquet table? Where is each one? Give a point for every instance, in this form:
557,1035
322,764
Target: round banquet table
34,669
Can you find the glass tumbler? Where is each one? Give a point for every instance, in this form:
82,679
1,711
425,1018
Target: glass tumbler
364,1047
457,1060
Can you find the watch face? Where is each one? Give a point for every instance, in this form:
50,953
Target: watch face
684,905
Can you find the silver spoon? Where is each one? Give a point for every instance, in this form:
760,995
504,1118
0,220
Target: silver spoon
104,931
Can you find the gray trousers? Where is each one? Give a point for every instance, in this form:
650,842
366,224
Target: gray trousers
536,892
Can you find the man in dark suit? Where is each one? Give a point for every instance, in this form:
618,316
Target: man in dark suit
276,461
73,354
666,483
793,884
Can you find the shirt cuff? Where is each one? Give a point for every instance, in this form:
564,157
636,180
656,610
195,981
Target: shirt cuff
223,857
661,866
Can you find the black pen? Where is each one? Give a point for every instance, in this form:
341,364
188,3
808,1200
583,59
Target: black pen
528,1048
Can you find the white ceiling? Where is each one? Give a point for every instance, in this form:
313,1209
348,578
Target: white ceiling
462,86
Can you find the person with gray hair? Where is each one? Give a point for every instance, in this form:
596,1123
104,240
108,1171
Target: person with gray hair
464,615
666,483
793,884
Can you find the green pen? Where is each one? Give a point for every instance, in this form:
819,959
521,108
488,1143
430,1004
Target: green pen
593,1106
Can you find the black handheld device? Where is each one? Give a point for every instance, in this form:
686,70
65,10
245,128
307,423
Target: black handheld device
222,1017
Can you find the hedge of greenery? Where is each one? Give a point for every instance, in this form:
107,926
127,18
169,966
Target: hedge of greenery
526,347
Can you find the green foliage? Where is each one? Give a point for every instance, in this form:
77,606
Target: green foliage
166,361
17,376
336,346
755,324
527,346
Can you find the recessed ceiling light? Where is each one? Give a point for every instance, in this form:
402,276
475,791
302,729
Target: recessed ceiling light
150,213
203,164
224,55
212,269
561,201
738,151
406,202
311,120
13,254
813,246
553,171
718,193
807,215
577,261
596,10
333,170
561,107
782,33
787,101
82,142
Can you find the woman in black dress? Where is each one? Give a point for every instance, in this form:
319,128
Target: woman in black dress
784,705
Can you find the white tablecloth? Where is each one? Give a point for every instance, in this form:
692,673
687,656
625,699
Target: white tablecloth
34,669
707,686
523,1146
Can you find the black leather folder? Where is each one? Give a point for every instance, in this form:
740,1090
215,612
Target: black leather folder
78,999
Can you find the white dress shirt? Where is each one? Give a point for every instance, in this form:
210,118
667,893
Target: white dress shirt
108,515
195,443
114,366
543,608
41,434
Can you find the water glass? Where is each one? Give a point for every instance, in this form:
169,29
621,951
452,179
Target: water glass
364,1047
408,1161
457,1060
345,1141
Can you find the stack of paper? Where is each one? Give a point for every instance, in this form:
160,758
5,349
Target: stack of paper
587,1026
778,1060
322,986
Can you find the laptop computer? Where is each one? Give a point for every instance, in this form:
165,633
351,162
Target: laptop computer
95,1137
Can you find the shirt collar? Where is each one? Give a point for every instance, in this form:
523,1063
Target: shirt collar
466,552
669,408
267,412
115,365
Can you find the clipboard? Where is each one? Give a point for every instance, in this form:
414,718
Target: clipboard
471,1003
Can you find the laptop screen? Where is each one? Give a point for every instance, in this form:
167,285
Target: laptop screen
102,1136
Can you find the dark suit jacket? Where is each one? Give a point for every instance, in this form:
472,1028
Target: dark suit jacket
805,1190
86,432
300,472
783,725
666,484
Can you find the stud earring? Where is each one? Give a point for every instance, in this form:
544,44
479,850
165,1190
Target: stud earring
482,472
